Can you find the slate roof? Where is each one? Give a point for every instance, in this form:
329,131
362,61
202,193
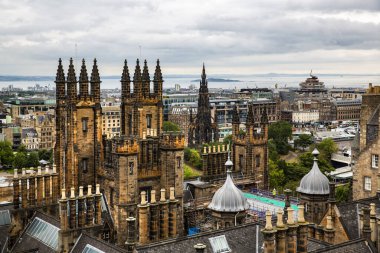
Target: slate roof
240,239
355,246
313,244
4,229
85,239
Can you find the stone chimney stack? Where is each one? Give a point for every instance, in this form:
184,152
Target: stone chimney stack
287,204
281,243
329,231
32,191
143,219
366,232
16,190
269,234
373,222
90,206
98,205
172,214
55,185
292,232
40,186
24,190
63,211
164,216
302,230
81,208
131,234
72,204
154,217
47,186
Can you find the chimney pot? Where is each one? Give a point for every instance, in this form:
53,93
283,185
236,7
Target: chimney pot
89,191
172,197
268,221
290,220
153,196
301,217
72,192
80,191
15,173
163,195
280,222
97,189
143,198
63,193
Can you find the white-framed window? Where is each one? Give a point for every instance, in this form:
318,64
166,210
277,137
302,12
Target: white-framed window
367,183
375,161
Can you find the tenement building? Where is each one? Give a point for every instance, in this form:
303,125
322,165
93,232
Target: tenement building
366,169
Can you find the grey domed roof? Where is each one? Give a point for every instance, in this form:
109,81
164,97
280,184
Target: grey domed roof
228,198
314,182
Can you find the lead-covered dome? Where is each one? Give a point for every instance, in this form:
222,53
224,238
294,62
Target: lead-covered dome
228,198
314,182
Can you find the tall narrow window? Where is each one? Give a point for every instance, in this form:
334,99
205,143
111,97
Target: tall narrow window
178,162
149,121
130,124
84,124
85,165
241,158
131,167
257,161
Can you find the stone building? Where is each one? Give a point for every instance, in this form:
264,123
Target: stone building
202,130
347,109
144,162
250,149
45,127
366,168
181,115
30,139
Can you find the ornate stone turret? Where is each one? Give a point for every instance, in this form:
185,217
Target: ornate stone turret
71,83
95,83
125,83
83,81
137,81
60,82
157,81
235,121
145,81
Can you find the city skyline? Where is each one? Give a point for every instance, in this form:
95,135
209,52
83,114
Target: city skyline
240,37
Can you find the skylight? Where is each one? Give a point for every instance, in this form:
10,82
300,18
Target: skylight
5,217
91,249
44,232
219,244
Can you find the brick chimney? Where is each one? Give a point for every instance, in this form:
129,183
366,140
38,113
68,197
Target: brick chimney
302,231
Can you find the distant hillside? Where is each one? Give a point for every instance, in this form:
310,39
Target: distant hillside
25,78
219,80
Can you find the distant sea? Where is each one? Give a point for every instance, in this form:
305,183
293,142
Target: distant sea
251,81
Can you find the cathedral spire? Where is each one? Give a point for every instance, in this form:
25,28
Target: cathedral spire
125,82
203,76
95,82
145,80
137,80
83,80
60,81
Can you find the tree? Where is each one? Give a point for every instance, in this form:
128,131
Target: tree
273,154
303,141
326,148
227,140
276,176
44,154
342,193
193,157
169,126
22,149
280,132
20,160
32,160
306,161
6,153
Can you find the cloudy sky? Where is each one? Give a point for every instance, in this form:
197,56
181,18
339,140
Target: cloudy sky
231,37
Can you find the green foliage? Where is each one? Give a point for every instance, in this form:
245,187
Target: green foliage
44,154
193,157
276,176
303,141
6,153
20,160
342,193
280,132
273,154
22,149
169,126
32,160
306,161
190,172
326,148
227,140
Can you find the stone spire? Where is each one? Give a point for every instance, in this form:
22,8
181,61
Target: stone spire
250,119
125,82
60,81
71,82
83,80
203,76
95,82
157,80
137,79
145,81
